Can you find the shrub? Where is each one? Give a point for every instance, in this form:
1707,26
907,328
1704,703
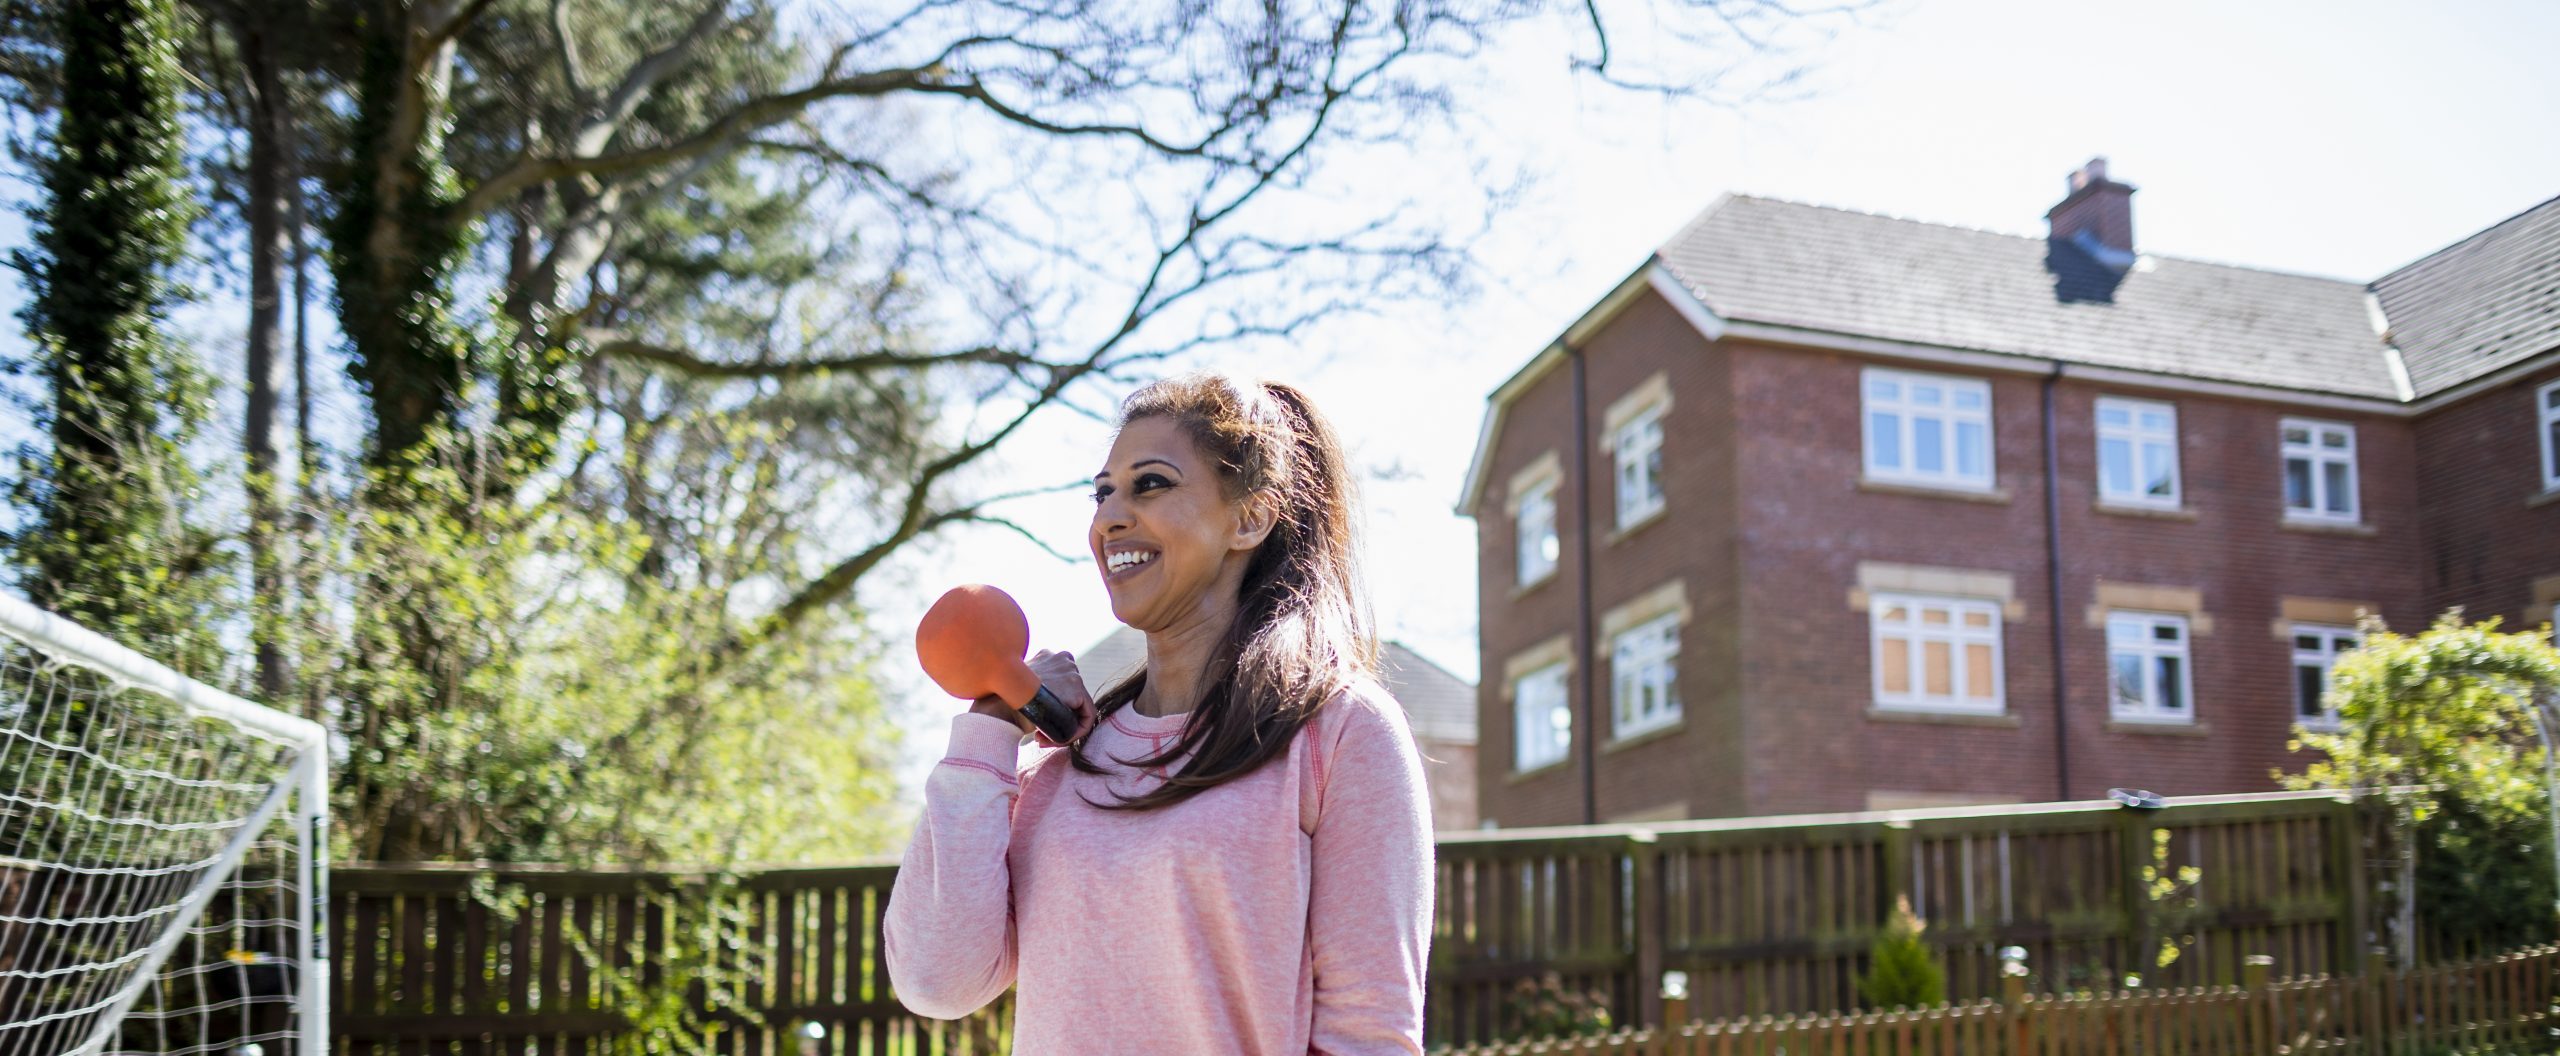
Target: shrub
1901,971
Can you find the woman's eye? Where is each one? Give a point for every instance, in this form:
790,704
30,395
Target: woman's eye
1101,493
1152,482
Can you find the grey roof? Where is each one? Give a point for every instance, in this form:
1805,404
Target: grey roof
2479,304
1845,272
1441,706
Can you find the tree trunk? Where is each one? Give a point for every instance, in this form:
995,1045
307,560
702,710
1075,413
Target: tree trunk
267,179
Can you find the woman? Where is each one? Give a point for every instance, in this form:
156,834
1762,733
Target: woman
1234,854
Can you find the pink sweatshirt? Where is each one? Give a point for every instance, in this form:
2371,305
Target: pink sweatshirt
1285,912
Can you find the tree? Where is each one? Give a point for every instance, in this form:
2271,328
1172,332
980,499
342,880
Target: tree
110,540
1902,972
2435,728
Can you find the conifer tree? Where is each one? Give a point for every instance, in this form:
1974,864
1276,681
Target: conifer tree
1901,972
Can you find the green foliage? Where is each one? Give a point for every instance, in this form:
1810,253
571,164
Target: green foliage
2437,730
1902,972
677,996
1546,1008
109,539
2173,894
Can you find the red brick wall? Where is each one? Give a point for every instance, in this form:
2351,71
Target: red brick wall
1698,761
1768,521
2478,473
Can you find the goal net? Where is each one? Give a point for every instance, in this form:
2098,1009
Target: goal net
162,866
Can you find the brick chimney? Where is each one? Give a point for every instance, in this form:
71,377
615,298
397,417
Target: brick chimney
2097,205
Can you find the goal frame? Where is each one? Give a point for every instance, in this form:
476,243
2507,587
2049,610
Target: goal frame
307,783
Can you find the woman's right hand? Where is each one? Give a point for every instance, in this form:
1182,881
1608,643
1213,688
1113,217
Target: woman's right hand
1058,672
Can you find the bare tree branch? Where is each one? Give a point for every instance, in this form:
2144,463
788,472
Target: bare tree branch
618,347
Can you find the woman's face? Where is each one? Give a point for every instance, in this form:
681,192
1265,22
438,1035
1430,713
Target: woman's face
1167,541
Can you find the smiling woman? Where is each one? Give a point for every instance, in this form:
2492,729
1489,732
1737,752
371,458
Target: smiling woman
1234,852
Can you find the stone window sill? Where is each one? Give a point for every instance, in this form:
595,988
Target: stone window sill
1880,713
1518,776
1993,496
1523,590
2545,498
2167,729
2161,513
1655,734
1641,523
2354,528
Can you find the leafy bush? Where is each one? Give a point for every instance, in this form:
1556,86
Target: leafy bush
1546,1008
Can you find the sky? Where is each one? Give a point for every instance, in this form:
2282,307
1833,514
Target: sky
2341,139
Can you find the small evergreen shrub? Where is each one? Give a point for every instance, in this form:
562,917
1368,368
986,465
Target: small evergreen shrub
1901,970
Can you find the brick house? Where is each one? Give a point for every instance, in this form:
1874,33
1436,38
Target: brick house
1822,510
1441,708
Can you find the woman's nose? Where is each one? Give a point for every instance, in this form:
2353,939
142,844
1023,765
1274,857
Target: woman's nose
1110,515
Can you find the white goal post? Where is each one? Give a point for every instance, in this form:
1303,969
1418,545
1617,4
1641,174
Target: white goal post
163,865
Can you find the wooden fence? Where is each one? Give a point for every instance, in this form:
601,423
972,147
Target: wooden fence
2491,1005
1765,915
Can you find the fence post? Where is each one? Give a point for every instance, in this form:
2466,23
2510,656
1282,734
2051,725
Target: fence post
2348,856
2013,1011
2258,1001
1650,919
2136,827
1897,869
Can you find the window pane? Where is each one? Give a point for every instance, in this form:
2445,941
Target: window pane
2156,422
1977,671
1927,396
1977,618
2341,488
2297,483
2128,679
1928,445
2554,468
1894,661
1969,399
1937,669
1884,388
2115,466
1885,434
1934,616
2117,416
1969,450
2172,689
2309,681
2297,435
2165,632
2307,641
2333,439
2158,480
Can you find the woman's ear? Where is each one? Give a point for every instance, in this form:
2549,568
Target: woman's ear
1255,517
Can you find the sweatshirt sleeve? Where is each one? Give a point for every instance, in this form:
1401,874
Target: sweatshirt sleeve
947,935
1369,903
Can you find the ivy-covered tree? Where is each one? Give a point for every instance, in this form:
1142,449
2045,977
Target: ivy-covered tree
108,539
2437,731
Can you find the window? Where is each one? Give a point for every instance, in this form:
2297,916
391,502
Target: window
1644,672
1541,718
2147,667
1639,445
2315,649
2319,470
1936,654
1928,430
2546,403
1534,522
2137,452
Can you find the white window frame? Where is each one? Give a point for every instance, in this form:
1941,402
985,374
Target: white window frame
1638,442
2333,641
2546,418
1955,635
1908,412
2138,440
1645,657
1556,744
2312,451
2144,643
1546,546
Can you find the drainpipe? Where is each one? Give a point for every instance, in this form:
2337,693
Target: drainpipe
1587,663
2053,588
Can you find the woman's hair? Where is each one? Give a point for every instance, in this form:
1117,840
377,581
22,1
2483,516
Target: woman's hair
1302,626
